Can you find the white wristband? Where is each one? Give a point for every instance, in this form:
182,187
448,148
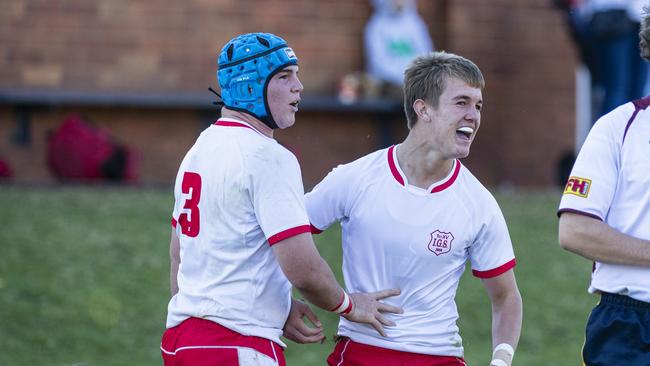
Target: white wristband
504,347
345,306
498,362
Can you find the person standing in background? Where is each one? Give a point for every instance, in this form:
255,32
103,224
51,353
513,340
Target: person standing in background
394,35
606,32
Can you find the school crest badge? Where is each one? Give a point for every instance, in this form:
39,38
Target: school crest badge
440,242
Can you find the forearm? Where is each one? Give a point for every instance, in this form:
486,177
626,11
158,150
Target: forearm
307,271
507,313
506,320
595,240
175,260
173,278
320,287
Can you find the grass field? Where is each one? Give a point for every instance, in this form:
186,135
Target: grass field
84,281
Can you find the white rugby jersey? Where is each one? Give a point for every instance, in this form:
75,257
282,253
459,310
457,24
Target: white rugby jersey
610,181
237,193
398,235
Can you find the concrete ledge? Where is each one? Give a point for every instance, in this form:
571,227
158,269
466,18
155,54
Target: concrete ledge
189,100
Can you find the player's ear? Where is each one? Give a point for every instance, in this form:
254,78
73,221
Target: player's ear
420,108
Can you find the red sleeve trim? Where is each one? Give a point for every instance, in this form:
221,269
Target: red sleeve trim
314,229
496,271
174,223
289,233
578,212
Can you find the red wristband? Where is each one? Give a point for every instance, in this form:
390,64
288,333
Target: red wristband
345,306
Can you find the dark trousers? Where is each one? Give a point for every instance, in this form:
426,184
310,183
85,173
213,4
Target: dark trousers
623,72
618,333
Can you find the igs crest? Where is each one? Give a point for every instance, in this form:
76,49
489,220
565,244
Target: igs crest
440,242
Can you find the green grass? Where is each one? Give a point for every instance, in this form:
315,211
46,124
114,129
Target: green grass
84,281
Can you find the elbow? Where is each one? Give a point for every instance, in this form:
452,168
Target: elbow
299,276
564,241
572,241
569,236
305,281
567,241
308,278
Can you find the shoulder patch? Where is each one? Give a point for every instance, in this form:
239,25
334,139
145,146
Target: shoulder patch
578,186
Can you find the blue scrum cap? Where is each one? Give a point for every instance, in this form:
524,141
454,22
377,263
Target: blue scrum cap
246,65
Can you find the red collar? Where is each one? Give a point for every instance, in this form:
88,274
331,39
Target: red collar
401,179
232,123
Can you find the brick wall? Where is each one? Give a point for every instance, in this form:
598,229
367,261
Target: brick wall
160,138
167,45
528,60
170,46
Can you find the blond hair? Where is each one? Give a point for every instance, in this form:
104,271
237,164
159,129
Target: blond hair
426,77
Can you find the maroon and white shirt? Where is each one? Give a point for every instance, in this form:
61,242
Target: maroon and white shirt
610,181
237,193
418,240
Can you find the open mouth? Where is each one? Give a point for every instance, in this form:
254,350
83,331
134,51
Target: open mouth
465,132
295,104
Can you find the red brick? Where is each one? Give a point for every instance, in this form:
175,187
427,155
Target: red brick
522,47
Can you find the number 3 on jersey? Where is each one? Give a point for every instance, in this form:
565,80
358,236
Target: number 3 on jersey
191,223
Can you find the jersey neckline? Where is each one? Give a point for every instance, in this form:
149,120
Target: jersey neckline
436,187
231,122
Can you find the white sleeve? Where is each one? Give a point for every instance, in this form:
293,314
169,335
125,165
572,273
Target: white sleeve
491,252
277,195
328,201
592,183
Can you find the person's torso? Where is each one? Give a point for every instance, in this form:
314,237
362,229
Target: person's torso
629,212
626,205
401,236
228,272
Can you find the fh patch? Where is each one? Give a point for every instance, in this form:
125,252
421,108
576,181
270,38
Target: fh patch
578,186
440,242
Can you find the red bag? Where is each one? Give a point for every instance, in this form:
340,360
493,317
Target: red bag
5,169
78,151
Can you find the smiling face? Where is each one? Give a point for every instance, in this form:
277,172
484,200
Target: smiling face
283,96
453,124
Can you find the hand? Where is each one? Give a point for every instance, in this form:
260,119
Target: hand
367,309
295,328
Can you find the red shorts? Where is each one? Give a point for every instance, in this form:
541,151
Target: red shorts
200,342
350,353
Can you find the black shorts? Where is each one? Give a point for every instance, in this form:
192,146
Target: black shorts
618,332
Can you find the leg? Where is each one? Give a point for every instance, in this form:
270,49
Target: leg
614,56
638,68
